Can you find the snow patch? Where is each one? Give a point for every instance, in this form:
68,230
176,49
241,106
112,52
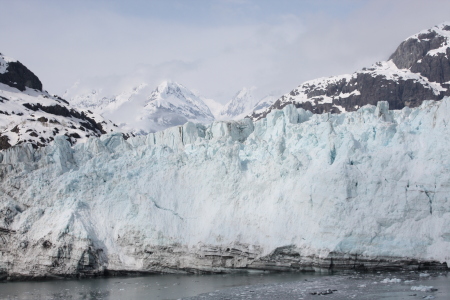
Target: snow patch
4,60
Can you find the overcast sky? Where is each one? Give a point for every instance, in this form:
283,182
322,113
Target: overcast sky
215,47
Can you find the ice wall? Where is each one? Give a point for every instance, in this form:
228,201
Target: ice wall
293,190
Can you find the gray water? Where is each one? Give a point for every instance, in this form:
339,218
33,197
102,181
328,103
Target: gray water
143,287
263,286
392,286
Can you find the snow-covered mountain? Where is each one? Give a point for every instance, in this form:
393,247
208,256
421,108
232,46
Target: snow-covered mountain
418,70
264,103
31,115
214,106
244,103
239,106
173,104
141,109
293,191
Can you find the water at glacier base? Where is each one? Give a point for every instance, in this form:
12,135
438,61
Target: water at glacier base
255,285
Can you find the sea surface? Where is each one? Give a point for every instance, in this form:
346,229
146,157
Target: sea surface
253,285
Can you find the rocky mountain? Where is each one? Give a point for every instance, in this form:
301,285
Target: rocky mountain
418,70
31,115
243,103
141,109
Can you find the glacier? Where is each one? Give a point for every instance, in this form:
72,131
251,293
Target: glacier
292,191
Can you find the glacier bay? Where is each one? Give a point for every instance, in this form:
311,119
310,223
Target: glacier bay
293,191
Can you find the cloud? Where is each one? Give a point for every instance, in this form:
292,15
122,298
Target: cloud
215,47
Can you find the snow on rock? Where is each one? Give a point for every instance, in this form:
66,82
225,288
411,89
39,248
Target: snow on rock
439,35
141,109
15,74
31,115
418,70
292,191
4,60
36,117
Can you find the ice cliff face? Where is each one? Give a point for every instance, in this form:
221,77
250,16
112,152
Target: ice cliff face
142,109
418,70
295,190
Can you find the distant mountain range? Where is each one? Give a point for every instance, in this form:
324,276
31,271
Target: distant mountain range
418,70
141,109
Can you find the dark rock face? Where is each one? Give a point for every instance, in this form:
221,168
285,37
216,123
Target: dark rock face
18,76
289,258
411,50
412,54
4,142
435,68
371,90
420,70
59,110
36,117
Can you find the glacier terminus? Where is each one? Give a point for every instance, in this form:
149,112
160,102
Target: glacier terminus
367,189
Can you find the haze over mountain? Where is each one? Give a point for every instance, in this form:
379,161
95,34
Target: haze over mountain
142,108
170,104
215,47
243,103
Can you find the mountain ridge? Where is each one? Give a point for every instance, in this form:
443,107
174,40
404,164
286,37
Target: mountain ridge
418,70
142,109
31,115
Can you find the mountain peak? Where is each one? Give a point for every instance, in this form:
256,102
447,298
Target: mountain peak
167,84
426,53
16,75
170,87
174,98
4,62
241,104
418,70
